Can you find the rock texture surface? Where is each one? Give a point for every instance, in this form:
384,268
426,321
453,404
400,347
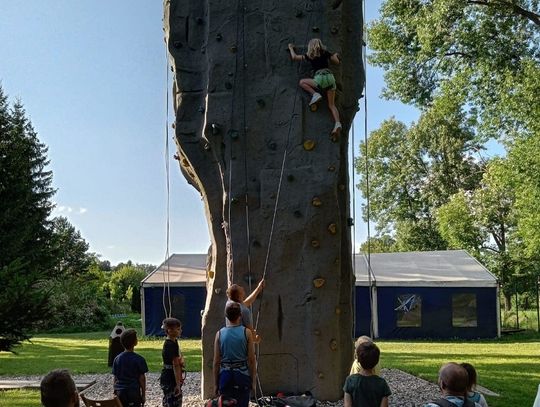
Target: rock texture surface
248,142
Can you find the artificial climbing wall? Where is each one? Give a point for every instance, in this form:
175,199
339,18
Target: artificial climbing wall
247,139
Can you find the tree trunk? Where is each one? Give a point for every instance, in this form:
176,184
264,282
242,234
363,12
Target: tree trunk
262,161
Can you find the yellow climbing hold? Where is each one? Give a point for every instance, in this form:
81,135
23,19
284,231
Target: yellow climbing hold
316,202
309,145
210,274
333,344
318,282
313,107
315,243
338,311
332,228
320,375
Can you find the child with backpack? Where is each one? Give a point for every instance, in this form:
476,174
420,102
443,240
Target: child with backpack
472,394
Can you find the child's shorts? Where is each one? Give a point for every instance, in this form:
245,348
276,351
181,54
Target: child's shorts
324,78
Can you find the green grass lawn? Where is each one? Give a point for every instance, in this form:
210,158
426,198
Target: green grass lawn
509,366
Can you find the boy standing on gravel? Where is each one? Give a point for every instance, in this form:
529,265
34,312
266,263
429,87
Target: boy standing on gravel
172,375
366,389
129,370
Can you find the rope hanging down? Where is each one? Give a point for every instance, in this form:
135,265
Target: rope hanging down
167,280
366,152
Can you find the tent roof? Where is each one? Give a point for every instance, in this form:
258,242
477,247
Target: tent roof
445,268
449,268
179,270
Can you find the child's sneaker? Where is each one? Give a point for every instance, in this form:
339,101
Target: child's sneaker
315,98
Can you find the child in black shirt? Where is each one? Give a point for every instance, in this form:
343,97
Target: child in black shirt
172,374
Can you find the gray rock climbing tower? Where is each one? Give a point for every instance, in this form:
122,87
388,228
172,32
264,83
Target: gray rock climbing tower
240,119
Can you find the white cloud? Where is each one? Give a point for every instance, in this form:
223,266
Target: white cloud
69,209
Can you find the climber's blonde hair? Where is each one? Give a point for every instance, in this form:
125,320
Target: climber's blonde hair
315,48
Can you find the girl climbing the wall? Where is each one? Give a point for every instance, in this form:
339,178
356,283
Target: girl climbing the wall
323,79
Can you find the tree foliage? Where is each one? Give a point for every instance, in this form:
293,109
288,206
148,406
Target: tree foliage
26,260
487,44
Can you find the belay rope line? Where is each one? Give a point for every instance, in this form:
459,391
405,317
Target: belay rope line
167,276
368,208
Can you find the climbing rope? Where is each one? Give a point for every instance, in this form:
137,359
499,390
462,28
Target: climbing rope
353,157
368,208
167,280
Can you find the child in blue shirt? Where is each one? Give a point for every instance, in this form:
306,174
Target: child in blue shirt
129,370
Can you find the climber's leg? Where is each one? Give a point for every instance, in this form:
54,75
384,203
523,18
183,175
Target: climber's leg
331,96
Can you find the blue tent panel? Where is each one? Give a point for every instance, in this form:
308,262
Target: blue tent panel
436,310
186,303
362,312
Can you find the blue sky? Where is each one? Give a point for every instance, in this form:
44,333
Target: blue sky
92,77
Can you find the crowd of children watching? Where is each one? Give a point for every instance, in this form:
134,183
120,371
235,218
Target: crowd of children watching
235,369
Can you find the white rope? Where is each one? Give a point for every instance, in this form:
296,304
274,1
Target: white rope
370,282
167,280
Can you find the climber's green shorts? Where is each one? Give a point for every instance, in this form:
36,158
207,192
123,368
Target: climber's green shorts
324,78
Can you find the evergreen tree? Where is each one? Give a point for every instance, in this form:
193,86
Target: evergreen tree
26,258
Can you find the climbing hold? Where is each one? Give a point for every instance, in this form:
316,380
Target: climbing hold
261,103
336,261
341,187
350,222
320,375
211,274
233,48
207,146
309,145
313,107
228,85
318,282
217,290
219,37
201,109
315,29
331,168
216,129
290,178
317,332
177,44
334,30
176,157
338,311
316,202
173,125
315,243
185,162
334,137
200,21
234,200
233,134
272,145
297,214
172,68
333,344
332,228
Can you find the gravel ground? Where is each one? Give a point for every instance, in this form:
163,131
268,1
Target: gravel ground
407,390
